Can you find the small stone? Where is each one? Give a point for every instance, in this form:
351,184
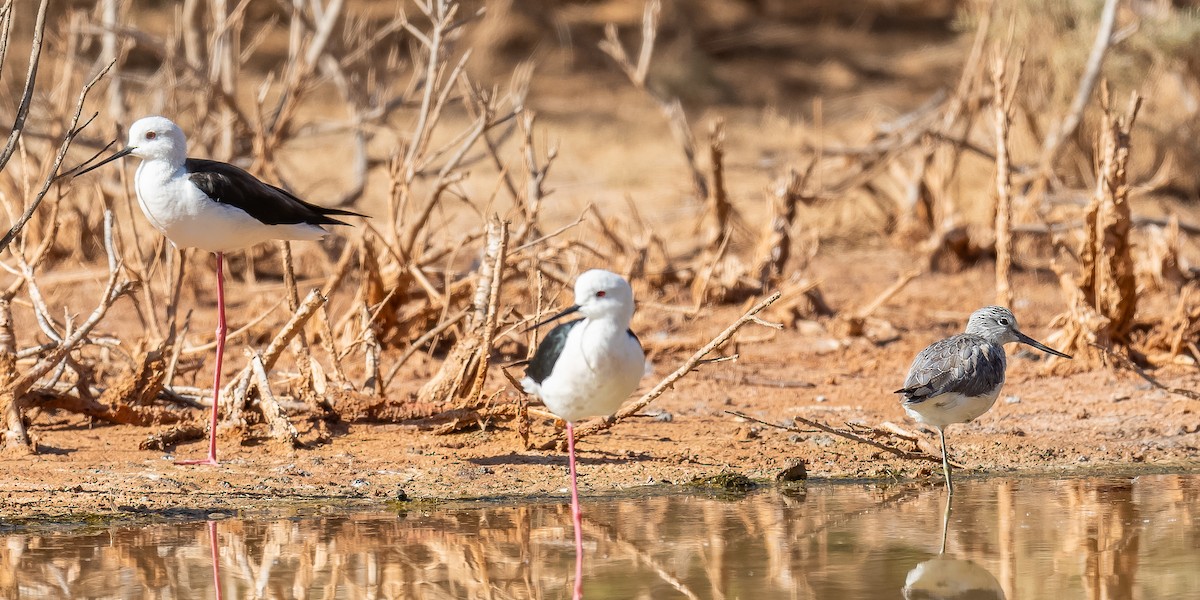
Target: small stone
795,472
359,483
748,432
1012,399
822,440
820,399
730,482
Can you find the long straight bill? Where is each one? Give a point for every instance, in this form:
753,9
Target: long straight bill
120,154
556,317
1024,339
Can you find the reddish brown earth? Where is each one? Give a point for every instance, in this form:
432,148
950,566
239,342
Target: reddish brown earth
1098,420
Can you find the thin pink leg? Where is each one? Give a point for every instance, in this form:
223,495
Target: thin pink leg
216,557
576,514
221,329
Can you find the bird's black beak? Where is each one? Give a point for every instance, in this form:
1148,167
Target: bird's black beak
120,154
1024,339
556,317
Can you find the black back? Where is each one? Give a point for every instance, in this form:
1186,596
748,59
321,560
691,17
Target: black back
231,185
547,354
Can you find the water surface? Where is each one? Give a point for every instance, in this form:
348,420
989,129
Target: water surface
1112,538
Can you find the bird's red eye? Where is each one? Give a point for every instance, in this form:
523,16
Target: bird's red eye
600,294
151,135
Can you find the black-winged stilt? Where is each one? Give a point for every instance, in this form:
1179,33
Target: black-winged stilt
587,368
957,379
216,207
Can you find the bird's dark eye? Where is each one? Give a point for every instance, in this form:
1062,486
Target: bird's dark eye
151,135
1003,321
601,294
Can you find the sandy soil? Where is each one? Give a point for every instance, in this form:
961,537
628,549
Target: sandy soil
1092,421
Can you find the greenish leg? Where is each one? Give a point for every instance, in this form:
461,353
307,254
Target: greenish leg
946,462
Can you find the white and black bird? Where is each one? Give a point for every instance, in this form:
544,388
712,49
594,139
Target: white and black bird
213,206
957,379
587,367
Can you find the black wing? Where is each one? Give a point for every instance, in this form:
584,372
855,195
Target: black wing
963,364
547,354
231,185
635,338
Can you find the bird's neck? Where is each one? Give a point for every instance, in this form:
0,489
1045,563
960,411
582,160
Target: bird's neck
605,327
160,169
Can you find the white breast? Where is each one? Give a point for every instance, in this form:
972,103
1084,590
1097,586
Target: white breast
944,409
600,366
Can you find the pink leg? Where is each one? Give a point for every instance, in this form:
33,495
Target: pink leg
212,429
216,557
576,514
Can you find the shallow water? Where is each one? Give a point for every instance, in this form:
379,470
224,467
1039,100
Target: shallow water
1111,537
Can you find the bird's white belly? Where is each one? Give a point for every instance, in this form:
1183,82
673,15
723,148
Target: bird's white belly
190,219
948,577
944,409
591,379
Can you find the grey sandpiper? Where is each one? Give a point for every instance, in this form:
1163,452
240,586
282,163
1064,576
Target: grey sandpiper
957,379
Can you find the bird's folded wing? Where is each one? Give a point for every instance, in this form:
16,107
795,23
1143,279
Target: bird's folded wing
961,364
232,185
548,352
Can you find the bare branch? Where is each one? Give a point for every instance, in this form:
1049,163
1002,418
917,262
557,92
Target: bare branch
597,425
1087,83
35,54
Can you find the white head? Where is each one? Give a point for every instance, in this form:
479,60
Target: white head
601,294
157,138
151,138
998,325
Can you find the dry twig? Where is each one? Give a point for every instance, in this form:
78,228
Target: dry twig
842,433
602,424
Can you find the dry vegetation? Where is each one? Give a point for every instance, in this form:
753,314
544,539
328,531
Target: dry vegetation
414,314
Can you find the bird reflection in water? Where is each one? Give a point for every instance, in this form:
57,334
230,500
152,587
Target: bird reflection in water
216,557
947,578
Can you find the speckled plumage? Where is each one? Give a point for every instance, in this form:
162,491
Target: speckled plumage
963,364
957,379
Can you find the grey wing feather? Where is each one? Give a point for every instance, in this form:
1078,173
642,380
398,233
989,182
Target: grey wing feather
963,364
